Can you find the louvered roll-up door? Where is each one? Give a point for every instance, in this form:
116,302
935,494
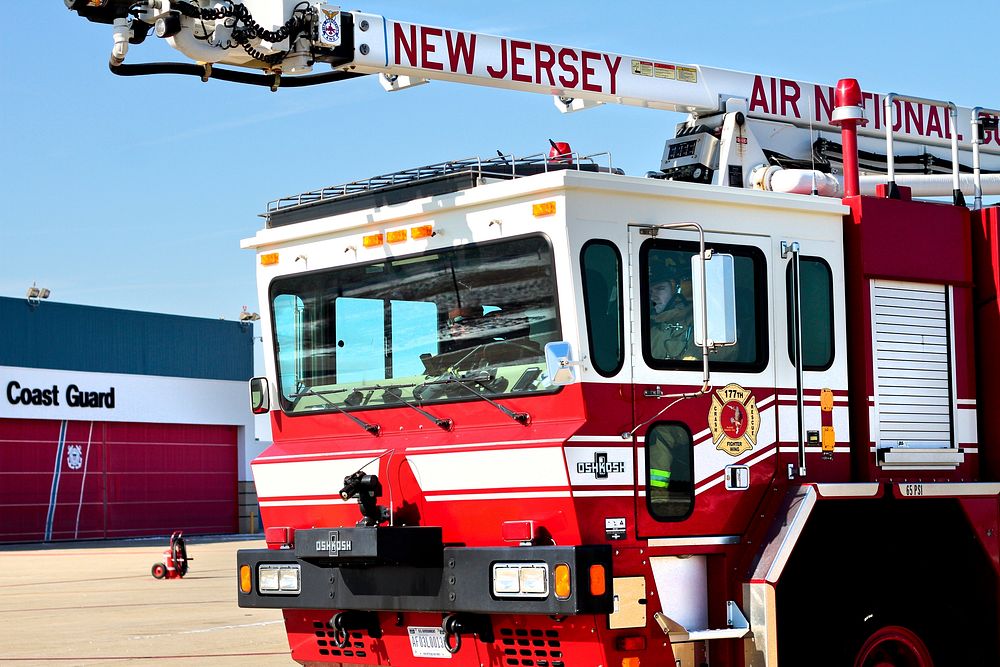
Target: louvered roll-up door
913,391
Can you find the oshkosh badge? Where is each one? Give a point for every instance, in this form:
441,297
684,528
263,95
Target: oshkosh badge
734,419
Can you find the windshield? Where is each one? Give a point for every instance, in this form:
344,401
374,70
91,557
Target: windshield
417,329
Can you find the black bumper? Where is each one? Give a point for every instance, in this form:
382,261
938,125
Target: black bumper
408,569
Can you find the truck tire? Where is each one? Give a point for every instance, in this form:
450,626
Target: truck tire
895,646
865,587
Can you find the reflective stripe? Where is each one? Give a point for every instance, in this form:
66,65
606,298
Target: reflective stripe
56,474
659,478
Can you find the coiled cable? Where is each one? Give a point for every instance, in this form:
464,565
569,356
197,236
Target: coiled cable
246,29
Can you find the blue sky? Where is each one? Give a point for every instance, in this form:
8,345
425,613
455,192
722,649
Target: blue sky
134,193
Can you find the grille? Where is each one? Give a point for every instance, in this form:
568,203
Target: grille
325,643
531,648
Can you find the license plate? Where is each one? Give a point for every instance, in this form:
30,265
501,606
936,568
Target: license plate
428,643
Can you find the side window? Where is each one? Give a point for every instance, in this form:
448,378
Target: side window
602,287
817,310
669,472
288,331
668,317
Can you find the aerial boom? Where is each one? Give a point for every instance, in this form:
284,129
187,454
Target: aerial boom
393,48
285,38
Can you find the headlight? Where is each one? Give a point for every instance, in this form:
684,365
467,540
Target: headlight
506,580
521,580
288,579
279,579
535,580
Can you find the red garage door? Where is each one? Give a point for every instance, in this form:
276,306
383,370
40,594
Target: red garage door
62,480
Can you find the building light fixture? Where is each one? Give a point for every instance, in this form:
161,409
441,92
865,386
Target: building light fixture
37,294
247,316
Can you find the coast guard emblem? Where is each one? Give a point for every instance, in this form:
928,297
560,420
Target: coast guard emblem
74,457
734,420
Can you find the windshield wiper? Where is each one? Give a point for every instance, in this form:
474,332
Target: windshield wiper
296,397
522,418
395,394
374,429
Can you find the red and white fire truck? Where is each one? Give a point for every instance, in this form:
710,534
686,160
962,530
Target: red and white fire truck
534,412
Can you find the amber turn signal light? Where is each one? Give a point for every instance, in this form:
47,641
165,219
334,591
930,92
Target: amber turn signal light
245,583
563,588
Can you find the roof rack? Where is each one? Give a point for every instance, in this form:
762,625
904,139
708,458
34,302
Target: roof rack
429,180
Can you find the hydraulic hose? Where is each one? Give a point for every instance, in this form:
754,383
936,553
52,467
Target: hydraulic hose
206,72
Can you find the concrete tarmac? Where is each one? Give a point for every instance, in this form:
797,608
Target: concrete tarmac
96,603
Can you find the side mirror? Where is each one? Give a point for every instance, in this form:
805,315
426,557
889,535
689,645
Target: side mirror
559,363
260,396
717,296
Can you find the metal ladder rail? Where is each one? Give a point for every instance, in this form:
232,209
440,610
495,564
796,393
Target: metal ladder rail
479,166
978,118
893,191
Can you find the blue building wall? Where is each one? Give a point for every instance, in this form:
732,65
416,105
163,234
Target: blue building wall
106,340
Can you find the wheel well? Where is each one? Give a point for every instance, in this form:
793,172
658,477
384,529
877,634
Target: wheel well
862,564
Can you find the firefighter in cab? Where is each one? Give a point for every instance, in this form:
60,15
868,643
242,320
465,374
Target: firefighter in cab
671,318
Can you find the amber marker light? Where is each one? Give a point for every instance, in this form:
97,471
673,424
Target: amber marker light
372,240
598,586
826,400
630,662
395,236
421,232
269,258
562,586
244,578
543,209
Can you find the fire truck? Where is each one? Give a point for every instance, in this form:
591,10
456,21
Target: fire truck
536,412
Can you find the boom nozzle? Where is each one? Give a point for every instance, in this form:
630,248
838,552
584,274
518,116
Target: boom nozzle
100,11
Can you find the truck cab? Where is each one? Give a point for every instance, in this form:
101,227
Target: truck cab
408,343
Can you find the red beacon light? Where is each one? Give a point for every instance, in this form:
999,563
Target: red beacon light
560,152
848,113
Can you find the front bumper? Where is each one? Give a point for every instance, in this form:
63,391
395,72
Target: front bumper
409,569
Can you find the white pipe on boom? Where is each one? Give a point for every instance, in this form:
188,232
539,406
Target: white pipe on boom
801,181
934,185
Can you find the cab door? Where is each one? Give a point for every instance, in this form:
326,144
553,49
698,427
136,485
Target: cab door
704,455
810,326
